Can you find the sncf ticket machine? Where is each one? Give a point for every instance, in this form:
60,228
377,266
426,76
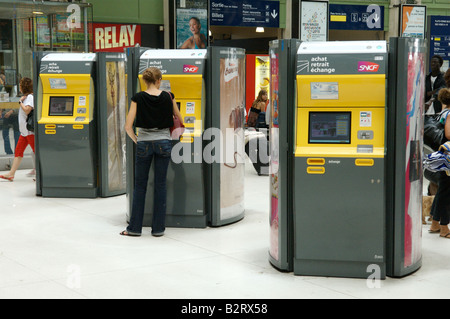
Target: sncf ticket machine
80,113
339,159
346,146
202,190
327,168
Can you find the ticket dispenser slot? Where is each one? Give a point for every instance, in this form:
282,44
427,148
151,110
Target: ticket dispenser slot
66,127
339,159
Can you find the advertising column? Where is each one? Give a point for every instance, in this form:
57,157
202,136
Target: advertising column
405,153
112,114
282,113
226,118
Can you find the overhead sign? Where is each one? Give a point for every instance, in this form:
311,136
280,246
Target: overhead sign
440,38
356,17
246,13
116,37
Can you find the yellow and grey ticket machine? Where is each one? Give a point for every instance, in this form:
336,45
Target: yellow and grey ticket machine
183,74
339,159
75,150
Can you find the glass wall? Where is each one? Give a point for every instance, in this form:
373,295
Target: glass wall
45,27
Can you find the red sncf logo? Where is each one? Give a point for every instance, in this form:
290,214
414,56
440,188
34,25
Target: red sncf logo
364,66
190,69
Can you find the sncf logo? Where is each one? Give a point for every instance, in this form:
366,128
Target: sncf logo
364,66
190,69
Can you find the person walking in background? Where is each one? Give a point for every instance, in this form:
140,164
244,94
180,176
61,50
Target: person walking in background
433,83
26,137
441,204
153,111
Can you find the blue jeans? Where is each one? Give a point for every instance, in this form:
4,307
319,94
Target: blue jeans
160,151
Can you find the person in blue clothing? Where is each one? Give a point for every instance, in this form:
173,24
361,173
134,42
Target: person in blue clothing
198,39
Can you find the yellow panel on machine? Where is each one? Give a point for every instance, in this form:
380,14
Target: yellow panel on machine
66,99
365,136
341,90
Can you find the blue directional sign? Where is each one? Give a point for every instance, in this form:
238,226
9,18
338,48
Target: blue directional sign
440,38
246,13
356,17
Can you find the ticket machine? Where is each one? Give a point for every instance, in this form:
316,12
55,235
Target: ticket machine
191,179
80,114
346,152
339,159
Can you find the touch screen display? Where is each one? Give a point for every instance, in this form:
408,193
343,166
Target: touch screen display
61,106
329,127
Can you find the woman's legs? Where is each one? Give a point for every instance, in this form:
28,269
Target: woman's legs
144,156
22,144
441,207
162,150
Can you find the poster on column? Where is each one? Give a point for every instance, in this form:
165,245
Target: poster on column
191,24
232,105
414,151
262,75
274,157
413,21
116,110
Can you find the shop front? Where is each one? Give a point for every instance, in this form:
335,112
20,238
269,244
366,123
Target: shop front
27,27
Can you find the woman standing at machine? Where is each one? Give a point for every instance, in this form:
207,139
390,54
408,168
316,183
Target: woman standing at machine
153,111
26,137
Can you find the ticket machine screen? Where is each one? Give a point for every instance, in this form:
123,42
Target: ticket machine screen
61,106
329,127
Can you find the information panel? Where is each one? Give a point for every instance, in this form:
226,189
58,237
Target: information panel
247,13
439,36
356,17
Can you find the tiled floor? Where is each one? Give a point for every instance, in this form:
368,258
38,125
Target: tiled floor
71,248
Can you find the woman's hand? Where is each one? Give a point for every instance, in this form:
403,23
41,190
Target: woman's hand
130,121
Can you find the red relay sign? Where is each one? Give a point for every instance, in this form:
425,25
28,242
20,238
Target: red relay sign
115,37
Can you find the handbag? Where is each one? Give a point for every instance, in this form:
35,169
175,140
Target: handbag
177,129
30,121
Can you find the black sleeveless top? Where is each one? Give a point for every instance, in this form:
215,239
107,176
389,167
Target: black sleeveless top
154,111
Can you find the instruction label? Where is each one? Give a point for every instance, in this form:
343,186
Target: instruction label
365,119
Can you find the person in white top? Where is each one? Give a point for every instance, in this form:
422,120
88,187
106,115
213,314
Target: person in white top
26,137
